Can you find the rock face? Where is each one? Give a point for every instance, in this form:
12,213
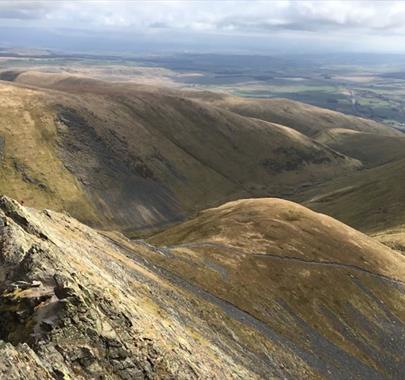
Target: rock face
75,305
221,300
21,363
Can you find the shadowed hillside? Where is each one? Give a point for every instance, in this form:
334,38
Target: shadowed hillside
140,158
371,143
371,200
255,288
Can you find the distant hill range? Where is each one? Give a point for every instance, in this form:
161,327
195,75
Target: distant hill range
191,266
137,157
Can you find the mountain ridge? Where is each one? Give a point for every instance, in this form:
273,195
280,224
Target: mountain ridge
107,304
139,159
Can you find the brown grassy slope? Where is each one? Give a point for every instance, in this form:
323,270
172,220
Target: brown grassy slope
307,119
146,158
372,200
101,311
370,142
306,275
30,167
393,238
371,149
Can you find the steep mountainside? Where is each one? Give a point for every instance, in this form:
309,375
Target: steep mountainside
75,305
257,288
129,157
371,143
31,169
307,119
335,292
372,200
369,148
245,290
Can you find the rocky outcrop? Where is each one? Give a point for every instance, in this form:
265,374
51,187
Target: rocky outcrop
21,363
229,295
74,305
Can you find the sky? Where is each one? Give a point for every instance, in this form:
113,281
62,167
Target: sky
205,26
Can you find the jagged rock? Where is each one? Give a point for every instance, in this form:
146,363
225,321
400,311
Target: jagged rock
88,311
25,285
21,362
80,304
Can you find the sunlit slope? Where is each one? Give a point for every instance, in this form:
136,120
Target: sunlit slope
76,305
31,169
141,158
369,148
337,294
307,119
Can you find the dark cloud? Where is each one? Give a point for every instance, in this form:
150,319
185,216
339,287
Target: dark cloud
26,10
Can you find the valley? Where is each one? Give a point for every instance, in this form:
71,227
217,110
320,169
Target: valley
157,227
153,155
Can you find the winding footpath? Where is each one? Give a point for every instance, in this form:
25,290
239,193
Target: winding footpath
315,357
265,255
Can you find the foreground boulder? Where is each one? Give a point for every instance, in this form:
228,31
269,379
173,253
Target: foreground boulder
254,289
73,305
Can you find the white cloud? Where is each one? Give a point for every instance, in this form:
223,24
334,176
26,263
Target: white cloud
236,15
322,19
